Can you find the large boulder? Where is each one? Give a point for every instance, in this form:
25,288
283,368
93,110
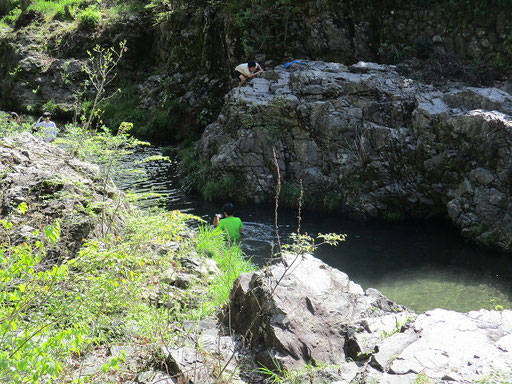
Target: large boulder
368,142
301,311
54,186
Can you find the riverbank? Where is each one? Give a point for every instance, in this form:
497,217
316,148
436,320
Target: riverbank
97,306
138,300
420,264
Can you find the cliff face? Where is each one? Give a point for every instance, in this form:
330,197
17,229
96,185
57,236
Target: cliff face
369,142
41,67
181,55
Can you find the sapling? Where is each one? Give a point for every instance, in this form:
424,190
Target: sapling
100,69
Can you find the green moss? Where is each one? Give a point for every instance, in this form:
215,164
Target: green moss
124,107
332,201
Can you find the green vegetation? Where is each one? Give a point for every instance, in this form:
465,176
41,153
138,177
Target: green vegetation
112,291
220,188
277,375
89,19
83,302
290,194
11,128
50,106
86,13
396,215
423,379
504,377
274,21
100,70
123,107
197,177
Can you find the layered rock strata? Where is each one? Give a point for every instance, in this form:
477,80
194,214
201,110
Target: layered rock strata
366,141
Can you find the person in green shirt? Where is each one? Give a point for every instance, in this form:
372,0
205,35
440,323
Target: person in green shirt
231,225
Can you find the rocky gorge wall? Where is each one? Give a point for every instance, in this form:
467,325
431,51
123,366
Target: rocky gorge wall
343,31
476,36
368,142
181,56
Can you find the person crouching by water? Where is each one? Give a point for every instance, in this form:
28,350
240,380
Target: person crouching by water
232,226
247,71
50,129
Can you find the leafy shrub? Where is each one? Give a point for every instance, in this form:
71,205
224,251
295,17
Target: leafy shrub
66,13
50,106
33,343
290,194
89,19
219,188
12,16
10,128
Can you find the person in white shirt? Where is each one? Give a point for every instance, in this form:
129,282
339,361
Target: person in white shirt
247,71
50,129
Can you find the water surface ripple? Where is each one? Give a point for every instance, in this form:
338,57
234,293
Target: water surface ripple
422,265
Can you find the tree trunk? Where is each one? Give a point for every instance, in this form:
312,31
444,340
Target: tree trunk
3,7
24,5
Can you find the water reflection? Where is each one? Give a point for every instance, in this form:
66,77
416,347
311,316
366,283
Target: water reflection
420,265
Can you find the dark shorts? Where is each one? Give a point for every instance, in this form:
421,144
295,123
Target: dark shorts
238,75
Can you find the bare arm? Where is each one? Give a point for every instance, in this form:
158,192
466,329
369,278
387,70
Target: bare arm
257,72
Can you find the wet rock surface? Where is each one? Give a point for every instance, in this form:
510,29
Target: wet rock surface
302,311
368,142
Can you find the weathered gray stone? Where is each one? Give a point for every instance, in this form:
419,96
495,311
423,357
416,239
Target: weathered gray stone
286,309
391,348
186,364
304,311
154,377
54,186
375,139
200,267
449,342
168,276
